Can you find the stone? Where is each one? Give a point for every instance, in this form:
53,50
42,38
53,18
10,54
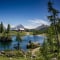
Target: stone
54,58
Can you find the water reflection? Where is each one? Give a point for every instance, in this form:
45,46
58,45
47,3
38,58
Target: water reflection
23,44
5,45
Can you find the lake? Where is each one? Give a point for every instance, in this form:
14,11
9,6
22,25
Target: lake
25,41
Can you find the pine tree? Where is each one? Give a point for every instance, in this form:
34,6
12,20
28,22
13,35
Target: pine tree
8,28
18,38
1,27
54,19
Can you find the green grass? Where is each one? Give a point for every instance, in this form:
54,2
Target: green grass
17,55
8,58
13,33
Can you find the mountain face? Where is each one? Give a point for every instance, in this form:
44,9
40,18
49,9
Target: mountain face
42,27
39,28
18,27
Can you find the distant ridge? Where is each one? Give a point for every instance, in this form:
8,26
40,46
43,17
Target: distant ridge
41,27
20,26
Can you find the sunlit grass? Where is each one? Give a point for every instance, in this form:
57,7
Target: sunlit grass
10,58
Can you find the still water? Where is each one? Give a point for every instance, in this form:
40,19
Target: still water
25,41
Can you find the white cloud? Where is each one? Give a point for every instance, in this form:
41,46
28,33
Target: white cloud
33,23
5,25
39,21
36,22
29,26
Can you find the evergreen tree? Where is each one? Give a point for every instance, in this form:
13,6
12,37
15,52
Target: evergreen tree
44,49
51,46
8,28
54,20
58,25
18,38
1,27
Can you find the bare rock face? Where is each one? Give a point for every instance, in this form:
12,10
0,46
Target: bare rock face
18,27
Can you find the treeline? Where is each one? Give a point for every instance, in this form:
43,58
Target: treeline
5,33
4,29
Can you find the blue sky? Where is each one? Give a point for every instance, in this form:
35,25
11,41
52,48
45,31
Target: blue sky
30,13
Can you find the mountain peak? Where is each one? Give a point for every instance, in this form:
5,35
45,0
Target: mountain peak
41,27
20,26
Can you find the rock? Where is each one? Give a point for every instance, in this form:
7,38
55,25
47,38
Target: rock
33,56
2,52
10,58
54,58
9,55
